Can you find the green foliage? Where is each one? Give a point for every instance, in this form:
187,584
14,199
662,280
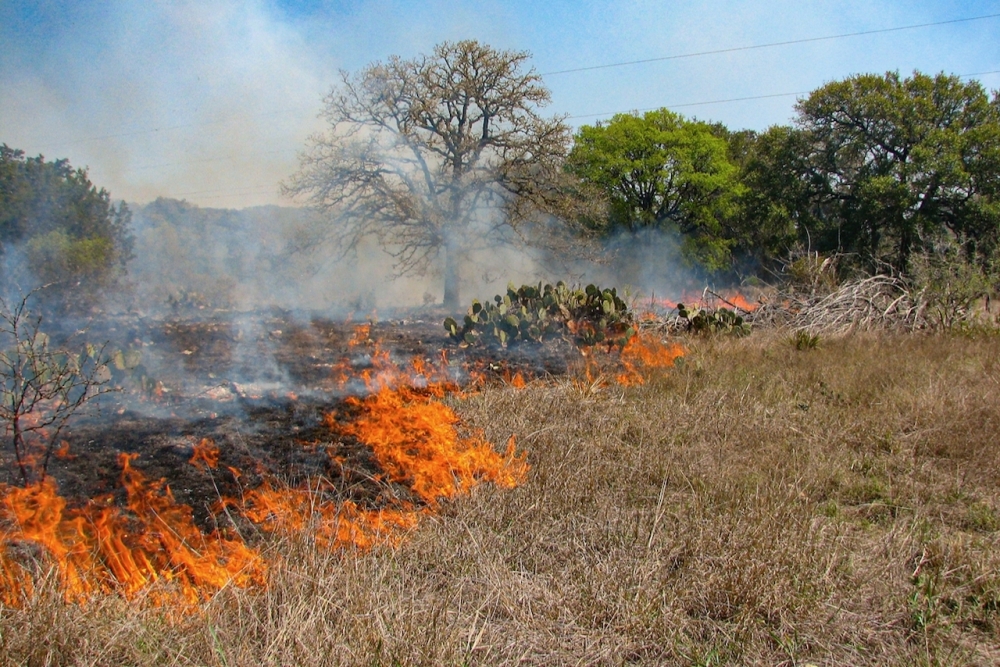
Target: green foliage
895,166
57,257
953,288
661,170
74,236
535,313
774,204
803,340
709,321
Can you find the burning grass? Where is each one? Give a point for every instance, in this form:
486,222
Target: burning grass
755,504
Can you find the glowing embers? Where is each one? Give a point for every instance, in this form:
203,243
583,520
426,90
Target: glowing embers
101,548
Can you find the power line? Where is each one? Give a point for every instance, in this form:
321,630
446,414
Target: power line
734,99
692,104
265,188
766,46
553,73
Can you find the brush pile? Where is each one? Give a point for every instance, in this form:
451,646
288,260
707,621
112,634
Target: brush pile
879,302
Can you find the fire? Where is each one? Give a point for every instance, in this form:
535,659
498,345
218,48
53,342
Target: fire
101,548
397,411
643,353
708,299
105,548
641,356
205,452
295,511
414,438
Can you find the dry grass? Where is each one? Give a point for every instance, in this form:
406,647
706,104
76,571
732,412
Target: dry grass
756,505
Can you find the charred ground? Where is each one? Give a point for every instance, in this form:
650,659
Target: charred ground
258,385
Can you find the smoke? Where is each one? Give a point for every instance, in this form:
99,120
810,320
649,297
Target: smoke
189,99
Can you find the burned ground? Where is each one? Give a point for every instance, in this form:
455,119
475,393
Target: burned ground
258,385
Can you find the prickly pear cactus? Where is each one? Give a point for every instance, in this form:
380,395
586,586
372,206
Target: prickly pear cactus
531,313
720,320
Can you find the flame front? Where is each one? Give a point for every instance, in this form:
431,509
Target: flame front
101,548
104,547
414,439
642,354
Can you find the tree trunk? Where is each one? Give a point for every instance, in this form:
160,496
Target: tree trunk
452,280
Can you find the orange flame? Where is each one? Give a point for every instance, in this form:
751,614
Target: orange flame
642,354
101,548
332,525
206,453
725,299
415,442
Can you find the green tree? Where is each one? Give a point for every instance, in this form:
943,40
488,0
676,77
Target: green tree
776,213
436,156
72,234
898,165
663,171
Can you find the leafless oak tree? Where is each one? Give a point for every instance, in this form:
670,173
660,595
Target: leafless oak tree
438,155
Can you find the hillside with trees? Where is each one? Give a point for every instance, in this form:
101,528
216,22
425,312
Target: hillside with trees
58,228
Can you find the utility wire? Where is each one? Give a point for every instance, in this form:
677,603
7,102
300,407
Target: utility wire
766,46
734,99
690,104
227,193
554,73
262,188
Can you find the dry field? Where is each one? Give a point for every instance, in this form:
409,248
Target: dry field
756,504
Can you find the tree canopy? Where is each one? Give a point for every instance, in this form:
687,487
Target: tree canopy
68,229
663,171
897,165
435,156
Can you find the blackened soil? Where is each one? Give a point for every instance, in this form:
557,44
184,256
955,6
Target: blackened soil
258,385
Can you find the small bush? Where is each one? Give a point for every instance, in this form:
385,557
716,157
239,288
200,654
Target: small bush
803,340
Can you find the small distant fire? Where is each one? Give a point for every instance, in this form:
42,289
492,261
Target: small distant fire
393,409
707,299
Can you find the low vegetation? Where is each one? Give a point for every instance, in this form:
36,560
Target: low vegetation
763,502
589,315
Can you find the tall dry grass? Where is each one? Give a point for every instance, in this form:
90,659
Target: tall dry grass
757,504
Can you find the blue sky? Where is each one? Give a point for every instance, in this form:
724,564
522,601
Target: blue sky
210,100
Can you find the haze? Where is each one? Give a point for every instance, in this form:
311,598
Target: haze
210,101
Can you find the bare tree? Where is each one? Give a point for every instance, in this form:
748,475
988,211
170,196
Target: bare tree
437,155
42,386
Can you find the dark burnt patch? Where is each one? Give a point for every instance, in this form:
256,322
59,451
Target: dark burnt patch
258,385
